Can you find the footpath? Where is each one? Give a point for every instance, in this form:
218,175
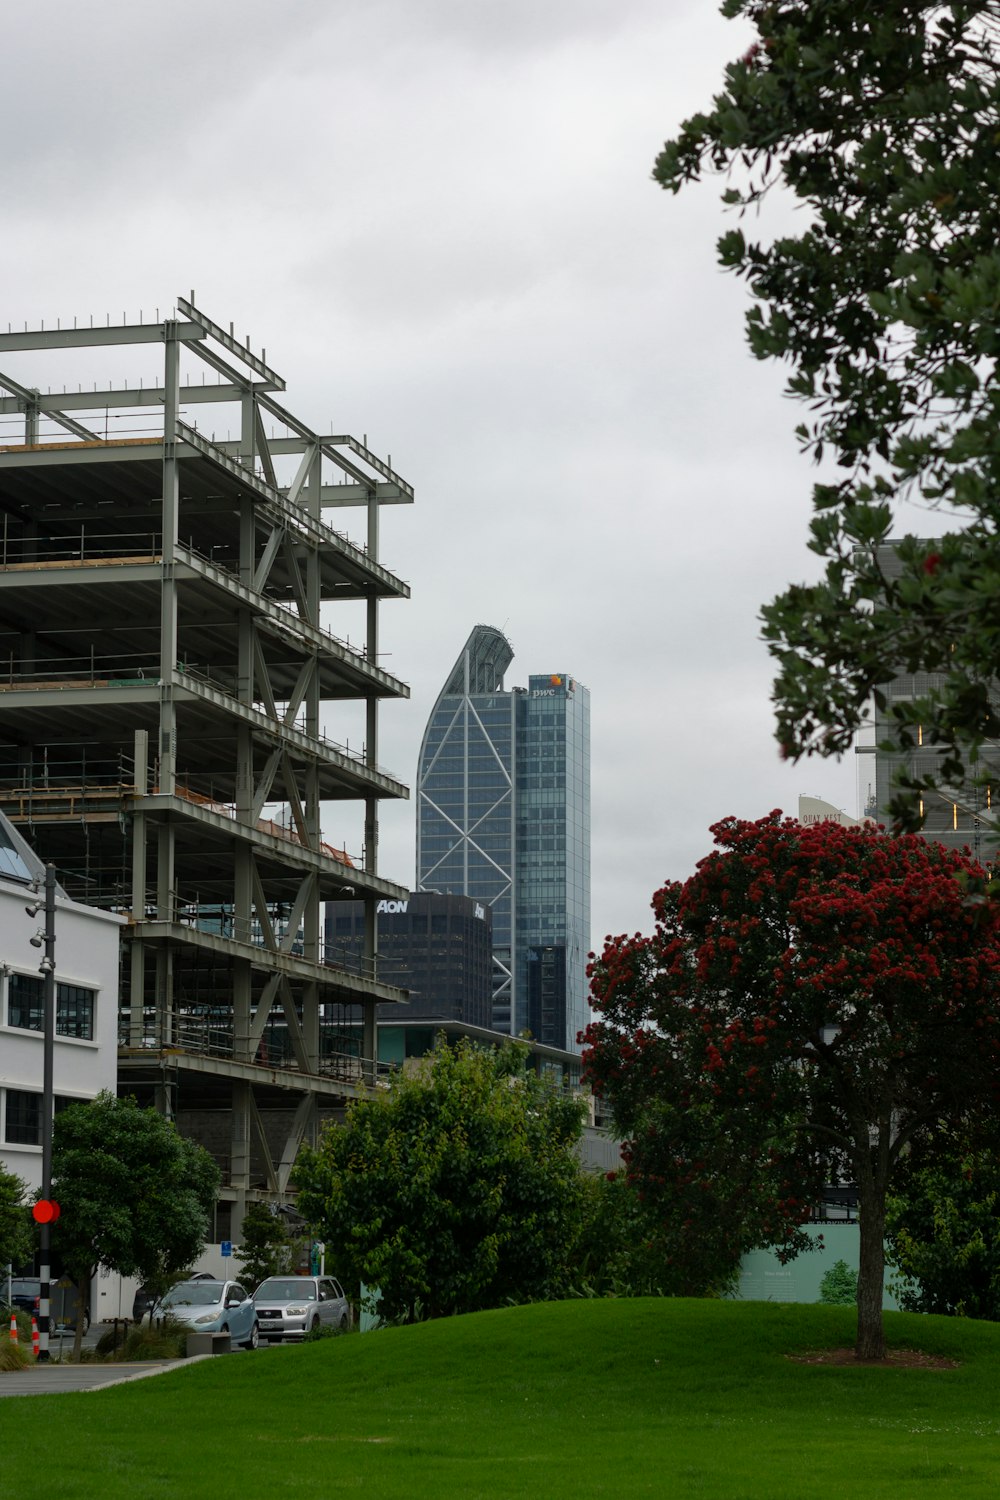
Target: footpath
52,1379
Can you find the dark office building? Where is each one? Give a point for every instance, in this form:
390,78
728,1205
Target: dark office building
503,815
437,947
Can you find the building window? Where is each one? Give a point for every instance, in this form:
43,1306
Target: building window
74,1006
75,1011
24,1118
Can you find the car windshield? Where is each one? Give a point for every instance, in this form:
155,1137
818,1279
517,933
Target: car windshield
193,1294
287,1290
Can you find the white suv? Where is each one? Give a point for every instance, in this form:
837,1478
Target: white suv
289,1307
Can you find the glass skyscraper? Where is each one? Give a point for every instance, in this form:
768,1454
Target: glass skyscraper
503,815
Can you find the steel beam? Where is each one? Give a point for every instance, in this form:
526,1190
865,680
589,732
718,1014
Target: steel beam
118,397
303,1125
241,351
29,398
113,333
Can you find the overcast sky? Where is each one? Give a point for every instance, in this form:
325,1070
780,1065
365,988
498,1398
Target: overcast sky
437,216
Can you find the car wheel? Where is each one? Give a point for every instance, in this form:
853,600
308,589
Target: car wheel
314,1324
343,1322
254,1339
224,1328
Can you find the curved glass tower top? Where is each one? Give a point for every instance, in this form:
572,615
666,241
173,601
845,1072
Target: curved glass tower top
484,659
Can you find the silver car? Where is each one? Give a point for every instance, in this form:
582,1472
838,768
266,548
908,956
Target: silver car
289,1307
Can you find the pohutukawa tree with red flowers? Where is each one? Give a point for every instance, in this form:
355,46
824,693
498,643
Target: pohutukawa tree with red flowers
809,999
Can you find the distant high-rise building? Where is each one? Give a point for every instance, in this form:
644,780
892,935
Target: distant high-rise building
503,816
437,948
957,815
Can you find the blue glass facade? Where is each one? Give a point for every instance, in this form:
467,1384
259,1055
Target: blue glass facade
552,903
503,815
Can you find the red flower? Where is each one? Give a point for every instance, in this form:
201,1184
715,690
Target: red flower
931,563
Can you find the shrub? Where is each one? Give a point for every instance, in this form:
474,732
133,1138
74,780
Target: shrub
839,1285
164,1340
323,1331
14,1356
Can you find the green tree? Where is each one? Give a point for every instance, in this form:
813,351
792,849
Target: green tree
457,1188
16,1236
839,1285
266,1246
943,1227
882,121
134,1195
810,1000
626,1249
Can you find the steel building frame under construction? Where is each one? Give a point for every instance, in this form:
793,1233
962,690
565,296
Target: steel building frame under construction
165,665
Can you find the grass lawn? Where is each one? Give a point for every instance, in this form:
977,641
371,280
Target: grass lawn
574,1399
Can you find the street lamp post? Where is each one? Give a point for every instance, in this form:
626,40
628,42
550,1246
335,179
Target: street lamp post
47,968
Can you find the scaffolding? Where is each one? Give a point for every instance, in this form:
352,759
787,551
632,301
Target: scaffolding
166,678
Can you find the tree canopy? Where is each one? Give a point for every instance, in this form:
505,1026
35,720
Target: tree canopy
456,1189
267,1245
133,1194
16,1229
882,121
943,1226
839,1285
809,1000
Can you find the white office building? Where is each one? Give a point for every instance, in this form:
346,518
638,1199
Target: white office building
86,960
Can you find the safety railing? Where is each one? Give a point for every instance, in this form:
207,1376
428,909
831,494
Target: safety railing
132,670
79,546
217,919
214,1037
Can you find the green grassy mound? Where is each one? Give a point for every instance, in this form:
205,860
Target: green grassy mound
575,1399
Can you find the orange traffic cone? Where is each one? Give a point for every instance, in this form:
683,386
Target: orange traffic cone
34,1335
13,1327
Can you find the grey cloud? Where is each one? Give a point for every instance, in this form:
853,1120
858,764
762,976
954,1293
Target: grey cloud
439,220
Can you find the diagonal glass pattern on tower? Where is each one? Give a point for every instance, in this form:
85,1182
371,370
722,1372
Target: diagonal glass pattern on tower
465,811
503,815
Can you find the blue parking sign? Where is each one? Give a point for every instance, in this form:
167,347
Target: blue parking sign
227,1247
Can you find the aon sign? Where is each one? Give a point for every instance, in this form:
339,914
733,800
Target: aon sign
392,908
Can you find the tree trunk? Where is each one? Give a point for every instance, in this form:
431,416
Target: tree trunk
871,1266
83,1301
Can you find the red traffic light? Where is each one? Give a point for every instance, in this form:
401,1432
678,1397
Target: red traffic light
45,1211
